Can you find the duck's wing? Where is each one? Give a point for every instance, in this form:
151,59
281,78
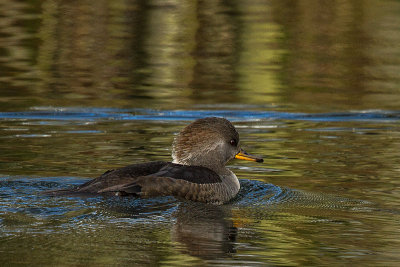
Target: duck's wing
120,176
192,174
189,182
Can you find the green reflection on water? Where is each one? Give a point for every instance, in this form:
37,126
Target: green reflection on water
327,56
284,55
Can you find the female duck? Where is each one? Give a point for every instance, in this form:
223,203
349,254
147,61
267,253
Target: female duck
197,172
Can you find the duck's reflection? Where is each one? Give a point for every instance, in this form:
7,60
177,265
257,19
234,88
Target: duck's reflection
200,230
204,231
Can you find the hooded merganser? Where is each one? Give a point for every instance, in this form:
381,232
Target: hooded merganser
197,172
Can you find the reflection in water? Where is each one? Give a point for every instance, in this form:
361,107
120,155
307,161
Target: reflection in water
341,51
311,85
176,54
91,56
327,161
265,221
215,52
204,231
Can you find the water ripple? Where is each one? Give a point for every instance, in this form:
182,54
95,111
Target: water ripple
104,114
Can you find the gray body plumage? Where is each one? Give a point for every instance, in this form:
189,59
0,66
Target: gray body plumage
197,173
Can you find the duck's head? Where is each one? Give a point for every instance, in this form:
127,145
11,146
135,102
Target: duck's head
209,142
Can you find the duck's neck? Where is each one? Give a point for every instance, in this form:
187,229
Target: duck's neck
217,168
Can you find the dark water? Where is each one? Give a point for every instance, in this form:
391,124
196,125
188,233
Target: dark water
312,86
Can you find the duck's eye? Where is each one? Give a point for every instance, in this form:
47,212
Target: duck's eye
233,142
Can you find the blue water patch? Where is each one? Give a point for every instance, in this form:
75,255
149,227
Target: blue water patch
105,114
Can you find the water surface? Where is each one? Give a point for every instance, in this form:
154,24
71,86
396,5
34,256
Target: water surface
312,87
325,189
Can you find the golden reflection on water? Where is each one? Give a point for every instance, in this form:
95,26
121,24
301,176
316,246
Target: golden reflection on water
309,56
316,56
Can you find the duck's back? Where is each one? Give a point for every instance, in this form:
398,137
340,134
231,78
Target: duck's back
121,176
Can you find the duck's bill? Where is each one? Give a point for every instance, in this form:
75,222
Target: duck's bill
245,156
